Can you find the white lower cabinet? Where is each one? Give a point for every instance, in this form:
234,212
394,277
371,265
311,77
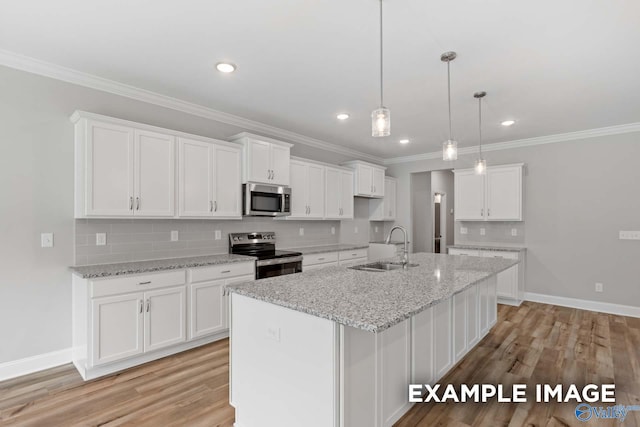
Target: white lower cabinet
125,321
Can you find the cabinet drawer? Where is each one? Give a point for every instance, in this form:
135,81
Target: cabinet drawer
136,283
353,254
500,254
314,259
468,252
223,271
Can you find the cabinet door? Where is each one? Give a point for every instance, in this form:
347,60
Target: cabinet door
423,347
492,301
333,193
195,176
227,182
442,322
390,187
299,189
109,168
280,161
378,182
504,193
347,195
507,281
459,325
472,317
365,180
154,180
207,308
315,190
165,320
258,161
117,328
469,196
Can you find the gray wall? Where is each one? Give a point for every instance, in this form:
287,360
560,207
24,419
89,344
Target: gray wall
421,206
36,155
578,195
442,182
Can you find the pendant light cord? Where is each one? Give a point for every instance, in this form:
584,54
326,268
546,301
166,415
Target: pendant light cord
449,96
381,52
480,123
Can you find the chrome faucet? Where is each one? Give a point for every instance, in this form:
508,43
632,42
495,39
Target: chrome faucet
405,253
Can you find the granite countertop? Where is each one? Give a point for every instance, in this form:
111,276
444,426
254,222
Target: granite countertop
308,250
489,247
374,301
136,267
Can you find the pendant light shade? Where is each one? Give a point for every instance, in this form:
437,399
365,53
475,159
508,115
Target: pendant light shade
481,164
381,117
449,147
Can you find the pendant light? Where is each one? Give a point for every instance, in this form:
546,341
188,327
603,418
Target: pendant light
381,117
449,147
481,164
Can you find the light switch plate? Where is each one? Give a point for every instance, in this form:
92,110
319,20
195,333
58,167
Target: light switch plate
174,235
376,227
101,239
514,232
355,230
599,287
218,235
333,230
46,240
301,231
483,231
630,235
463,230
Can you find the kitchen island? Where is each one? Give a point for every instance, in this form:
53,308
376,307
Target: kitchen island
339,347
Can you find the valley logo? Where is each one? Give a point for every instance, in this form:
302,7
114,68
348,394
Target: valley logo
584,412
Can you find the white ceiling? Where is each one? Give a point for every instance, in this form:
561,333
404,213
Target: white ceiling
554,66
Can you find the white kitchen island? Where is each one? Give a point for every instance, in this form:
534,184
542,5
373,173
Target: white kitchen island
339,347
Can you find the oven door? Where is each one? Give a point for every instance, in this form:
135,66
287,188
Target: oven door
266,200
278,267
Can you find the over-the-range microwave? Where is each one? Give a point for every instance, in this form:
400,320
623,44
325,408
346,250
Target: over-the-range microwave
265,200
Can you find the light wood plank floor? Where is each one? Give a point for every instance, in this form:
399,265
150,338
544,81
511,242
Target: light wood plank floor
533,343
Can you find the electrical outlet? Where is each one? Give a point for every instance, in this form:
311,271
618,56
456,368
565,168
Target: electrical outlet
301,231
630,235
101,239
514,232
46,240
355,229
376,228
174,235
333,230
463,230
273,333
483,231
218,235
599,287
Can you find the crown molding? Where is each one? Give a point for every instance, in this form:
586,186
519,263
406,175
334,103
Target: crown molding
528,142
69,75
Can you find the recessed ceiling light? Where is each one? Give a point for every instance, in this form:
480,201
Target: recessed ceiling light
404,141
225,67
508,122
342,116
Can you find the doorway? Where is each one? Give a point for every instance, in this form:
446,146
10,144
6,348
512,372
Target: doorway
439,223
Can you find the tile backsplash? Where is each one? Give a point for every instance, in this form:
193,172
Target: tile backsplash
494,232
143,239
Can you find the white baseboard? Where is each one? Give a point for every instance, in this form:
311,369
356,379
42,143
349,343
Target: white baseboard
602,307
29,365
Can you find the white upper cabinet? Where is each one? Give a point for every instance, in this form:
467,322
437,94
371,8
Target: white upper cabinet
209,179
154,180
368,179
307,190
495,196
265,160
338,193
385,209
504,193
121,171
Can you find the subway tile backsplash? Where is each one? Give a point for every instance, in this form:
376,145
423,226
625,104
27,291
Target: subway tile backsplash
143,239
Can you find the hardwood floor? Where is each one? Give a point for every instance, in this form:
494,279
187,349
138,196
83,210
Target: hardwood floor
533,343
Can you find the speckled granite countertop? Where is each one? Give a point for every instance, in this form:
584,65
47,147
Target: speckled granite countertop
308,250
136,267
374,301
490,247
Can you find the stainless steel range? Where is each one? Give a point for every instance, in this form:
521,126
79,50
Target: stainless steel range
271,262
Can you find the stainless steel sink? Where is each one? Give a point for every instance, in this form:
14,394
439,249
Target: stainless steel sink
381,266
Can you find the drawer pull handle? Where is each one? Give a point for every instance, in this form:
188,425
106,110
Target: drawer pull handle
321,259
148,305
141,306
225,271
354,254
148,282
